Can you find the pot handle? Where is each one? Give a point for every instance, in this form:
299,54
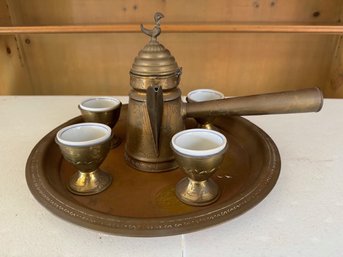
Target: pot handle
296,101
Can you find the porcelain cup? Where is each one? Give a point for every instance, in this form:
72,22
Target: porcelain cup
85,146
105,110
201,95
199,152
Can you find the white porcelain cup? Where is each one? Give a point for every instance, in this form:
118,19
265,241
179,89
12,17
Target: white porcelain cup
100,104
105,110
199,142
84,134
201,95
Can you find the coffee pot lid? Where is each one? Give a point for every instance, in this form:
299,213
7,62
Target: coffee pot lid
154,59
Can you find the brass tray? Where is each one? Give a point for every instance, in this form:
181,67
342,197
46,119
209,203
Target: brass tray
144,204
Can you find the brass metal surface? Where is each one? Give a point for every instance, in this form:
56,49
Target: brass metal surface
89,183
145,204
154,59
198,189
166,82
197,193
154,112
140,145
304,100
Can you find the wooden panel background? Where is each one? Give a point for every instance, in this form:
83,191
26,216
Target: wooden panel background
14,76
334,85
235,63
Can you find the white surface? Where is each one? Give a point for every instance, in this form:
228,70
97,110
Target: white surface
302,216
198,142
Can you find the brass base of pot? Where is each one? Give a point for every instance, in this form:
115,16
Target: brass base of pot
150,166
197,193
89,183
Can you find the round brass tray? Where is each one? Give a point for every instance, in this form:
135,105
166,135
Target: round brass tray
144,204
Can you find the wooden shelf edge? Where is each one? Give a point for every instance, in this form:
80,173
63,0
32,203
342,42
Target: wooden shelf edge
175,28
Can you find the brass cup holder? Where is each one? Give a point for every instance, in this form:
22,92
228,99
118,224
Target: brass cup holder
85,146
201,95
105,110
199,152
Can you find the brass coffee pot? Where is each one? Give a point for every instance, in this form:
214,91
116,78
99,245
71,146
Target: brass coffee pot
156,111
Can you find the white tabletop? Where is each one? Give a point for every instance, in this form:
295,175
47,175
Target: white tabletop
302,216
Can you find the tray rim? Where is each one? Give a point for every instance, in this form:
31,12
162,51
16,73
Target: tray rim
56,203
